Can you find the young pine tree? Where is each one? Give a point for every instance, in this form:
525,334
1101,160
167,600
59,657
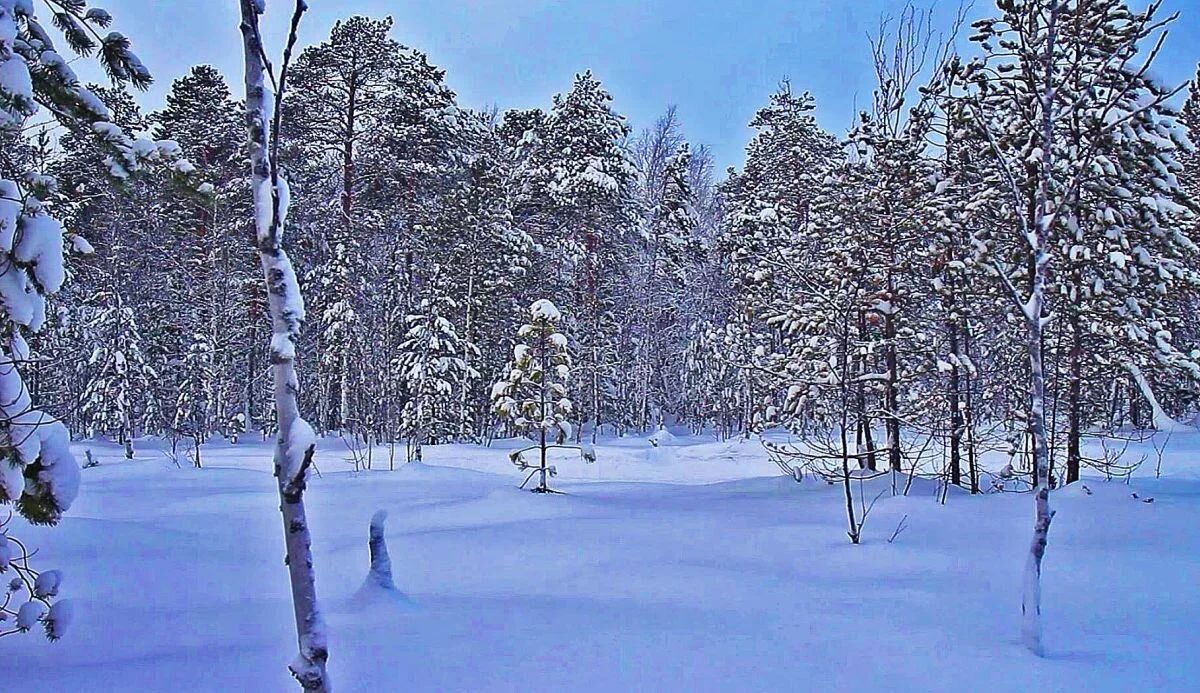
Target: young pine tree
534,396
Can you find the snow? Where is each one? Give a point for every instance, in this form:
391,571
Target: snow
700,570
545,310
41,244
59,618
80,245
14,77
264,208
10,212
1161,420
282,345
144,146
93,103
29,614
47,583
98,16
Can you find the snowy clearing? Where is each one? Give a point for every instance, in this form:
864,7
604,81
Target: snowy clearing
689,566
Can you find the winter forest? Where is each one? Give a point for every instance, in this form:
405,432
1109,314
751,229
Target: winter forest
839,392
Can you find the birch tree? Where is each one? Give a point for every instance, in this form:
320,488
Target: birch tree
296,442
1031,80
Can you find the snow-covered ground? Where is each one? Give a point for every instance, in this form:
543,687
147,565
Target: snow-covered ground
692,566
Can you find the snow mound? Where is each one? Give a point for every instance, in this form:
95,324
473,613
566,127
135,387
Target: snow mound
663,438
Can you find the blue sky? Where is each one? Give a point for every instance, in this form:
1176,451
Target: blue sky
717,60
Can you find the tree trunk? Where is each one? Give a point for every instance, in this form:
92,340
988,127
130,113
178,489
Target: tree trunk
864,420
853,532
295,443
1031,603
544,403
955,398
1074,403
969,413
380,573
891,391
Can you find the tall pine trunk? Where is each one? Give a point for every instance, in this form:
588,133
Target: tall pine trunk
295,443
1075,402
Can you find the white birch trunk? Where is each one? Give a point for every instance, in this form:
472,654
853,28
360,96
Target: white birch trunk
1031,600
295,444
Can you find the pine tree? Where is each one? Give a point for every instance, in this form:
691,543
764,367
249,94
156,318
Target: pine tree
533,397
38,474
1190,117
769,207
212,270
490,257
588,177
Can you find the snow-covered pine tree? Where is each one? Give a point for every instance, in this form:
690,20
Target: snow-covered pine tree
534,395
206,258
1190,117
890,234
337,112
1128,277
960,293
489,256
582,163
768,207
38,473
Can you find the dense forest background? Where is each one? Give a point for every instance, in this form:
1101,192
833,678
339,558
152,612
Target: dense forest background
861,278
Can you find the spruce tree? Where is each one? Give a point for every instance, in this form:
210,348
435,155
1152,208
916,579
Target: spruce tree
117,400
433,360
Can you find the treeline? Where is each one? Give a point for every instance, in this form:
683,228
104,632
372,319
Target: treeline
421,232
875,284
